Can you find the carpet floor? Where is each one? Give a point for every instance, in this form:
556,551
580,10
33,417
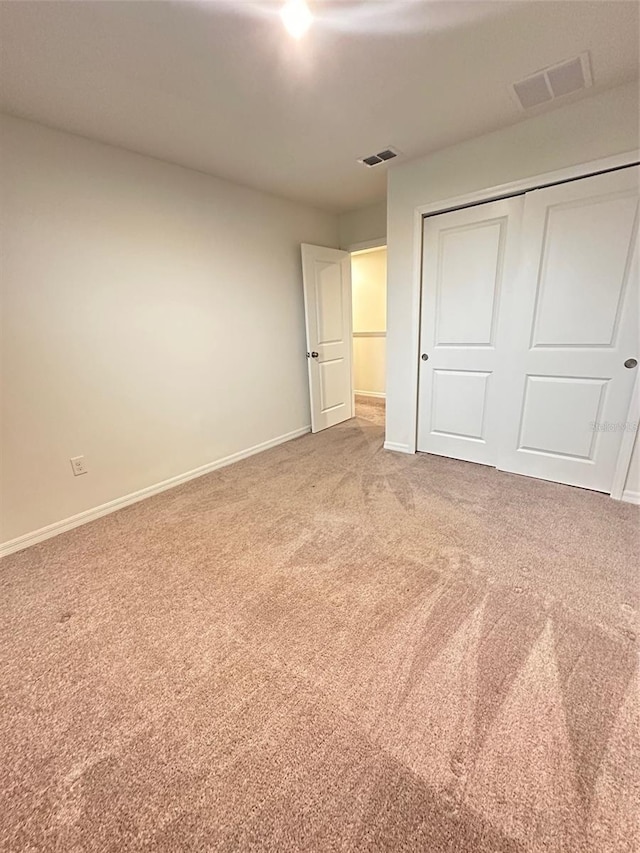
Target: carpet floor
327,647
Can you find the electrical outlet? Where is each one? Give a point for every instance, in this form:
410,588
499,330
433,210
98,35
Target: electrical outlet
78,465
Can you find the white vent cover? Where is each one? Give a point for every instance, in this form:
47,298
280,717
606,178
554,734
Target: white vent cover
381,157
544,86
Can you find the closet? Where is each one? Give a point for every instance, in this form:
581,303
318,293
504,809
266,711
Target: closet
529,333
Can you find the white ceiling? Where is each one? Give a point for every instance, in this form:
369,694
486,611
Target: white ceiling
221,87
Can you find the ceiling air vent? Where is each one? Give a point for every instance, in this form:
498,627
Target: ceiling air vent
545,86
380,157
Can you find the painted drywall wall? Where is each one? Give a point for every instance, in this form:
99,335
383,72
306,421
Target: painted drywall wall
152,321
369,366
597,127
363,225
369,291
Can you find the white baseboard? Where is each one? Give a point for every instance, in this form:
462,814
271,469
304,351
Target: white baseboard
378,394
65,524
631,497
398,448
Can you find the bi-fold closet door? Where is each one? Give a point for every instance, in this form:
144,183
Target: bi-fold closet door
529,330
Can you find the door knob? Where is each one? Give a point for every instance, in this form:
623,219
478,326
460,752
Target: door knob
314,355
631,362
424,356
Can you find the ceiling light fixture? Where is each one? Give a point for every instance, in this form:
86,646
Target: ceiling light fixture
296,17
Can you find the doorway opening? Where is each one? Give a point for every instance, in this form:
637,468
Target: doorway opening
369,295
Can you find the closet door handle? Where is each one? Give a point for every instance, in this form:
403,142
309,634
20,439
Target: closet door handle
424,356
631,362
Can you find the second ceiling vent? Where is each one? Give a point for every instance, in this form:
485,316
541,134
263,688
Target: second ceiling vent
380,157
544,86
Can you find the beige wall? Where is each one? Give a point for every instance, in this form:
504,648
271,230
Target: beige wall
596,127
363,225
369,283
152,321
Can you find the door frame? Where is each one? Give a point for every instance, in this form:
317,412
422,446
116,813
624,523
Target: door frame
378,243
626,446
494,193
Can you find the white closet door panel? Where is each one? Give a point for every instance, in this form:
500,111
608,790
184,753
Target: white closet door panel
572,324
469,262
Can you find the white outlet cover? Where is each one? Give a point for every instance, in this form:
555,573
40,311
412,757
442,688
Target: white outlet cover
78,465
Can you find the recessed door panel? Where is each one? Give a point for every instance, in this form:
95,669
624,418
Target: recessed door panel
459,403
332,384
469,261
328,286
584,269
469,271
559,415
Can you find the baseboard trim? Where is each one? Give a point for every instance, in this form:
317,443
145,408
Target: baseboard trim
631,497
379,395
51,530
397,448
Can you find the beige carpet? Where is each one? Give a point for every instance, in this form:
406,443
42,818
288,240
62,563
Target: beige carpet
327,647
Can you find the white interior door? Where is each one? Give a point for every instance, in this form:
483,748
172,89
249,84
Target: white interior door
470,258
326,277
573,323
